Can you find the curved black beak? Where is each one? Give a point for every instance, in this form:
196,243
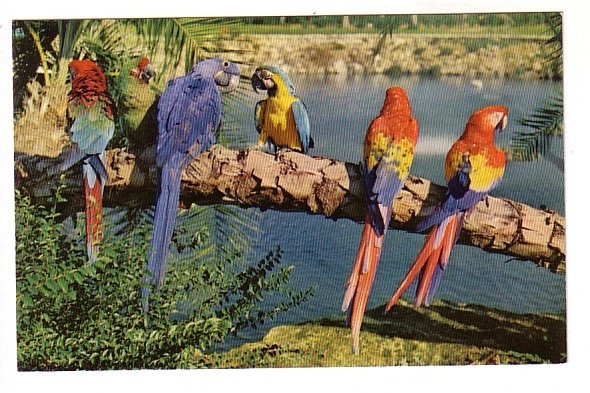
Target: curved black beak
147,74
501,126
262,80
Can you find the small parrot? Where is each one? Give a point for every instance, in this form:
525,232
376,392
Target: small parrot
189,113
473,167
93,111
137,103
388,154
281,119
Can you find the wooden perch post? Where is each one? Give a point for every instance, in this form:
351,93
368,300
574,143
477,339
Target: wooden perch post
291,181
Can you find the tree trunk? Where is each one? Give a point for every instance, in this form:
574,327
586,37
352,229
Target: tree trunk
295,182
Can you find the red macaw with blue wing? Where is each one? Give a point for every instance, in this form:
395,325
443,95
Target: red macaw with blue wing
388,154
473,167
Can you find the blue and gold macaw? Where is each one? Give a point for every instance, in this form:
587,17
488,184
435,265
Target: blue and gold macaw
189,113
281,119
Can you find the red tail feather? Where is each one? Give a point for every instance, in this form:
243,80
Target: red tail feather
449,240
414,270
426,275
360,281
93,197
430,256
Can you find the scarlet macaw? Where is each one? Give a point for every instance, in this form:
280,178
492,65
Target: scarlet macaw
281,119
189,113
388,154
137,103
473,167
93,111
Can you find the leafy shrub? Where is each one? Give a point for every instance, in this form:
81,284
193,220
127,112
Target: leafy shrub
71,315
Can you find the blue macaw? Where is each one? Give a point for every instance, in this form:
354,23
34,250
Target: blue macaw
189,113
281,119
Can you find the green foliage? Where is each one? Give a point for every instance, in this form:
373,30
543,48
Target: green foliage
545,122
30,41
71,315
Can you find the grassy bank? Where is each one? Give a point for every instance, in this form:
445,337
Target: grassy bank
443,334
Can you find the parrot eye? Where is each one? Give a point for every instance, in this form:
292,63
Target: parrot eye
226,63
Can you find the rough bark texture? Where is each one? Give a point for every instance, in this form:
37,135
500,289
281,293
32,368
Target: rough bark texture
294,182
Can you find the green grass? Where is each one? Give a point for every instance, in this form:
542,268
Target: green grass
443,334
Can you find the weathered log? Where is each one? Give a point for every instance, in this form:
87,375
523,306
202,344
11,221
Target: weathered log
291,181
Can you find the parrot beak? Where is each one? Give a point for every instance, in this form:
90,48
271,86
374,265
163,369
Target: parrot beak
147,74
226,82
501,126
262,80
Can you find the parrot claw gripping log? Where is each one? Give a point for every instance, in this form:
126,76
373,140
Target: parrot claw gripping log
473,167
388,154
281,119
93,111
189,113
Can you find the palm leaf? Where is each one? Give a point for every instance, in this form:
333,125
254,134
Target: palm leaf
177,39
543,125
555,43
545,122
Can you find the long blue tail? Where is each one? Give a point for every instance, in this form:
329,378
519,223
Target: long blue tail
164,220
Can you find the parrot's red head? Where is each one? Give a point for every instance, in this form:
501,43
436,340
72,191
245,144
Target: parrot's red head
484,122
89,85
396,102
143,72
86,75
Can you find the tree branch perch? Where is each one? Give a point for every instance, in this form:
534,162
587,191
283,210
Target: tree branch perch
294,182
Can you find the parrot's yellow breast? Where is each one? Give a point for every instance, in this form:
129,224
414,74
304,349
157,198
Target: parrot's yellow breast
278,122
483,176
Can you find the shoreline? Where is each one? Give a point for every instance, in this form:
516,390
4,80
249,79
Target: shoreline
481,57
445,333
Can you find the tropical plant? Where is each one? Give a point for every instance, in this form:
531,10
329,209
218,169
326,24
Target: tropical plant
546,122
71,315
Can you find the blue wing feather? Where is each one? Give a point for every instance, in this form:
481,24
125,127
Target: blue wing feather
459,198
189,112
302,123
382,184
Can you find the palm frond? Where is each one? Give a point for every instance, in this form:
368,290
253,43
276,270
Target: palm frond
178,39
545,122
543,125
555,43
